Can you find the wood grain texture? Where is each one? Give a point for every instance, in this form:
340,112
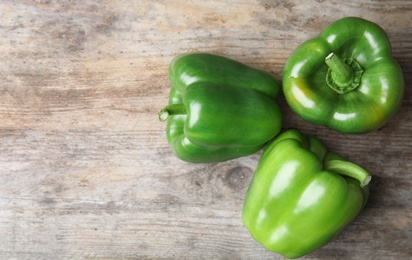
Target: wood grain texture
86,171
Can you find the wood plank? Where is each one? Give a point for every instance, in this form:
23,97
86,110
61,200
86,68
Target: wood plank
86,169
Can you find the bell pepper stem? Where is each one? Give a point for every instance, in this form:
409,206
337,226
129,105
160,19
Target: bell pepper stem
349,169
343,75
173,109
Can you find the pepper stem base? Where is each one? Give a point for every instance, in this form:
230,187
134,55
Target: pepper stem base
343,75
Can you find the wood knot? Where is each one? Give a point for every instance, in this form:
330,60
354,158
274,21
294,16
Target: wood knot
74,37
237,178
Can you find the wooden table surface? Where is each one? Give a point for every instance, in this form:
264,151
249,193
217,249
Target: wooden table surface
86,171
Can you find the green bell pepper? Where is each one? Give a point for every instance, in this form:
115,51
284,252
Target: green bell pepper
219,109
302,195
345,78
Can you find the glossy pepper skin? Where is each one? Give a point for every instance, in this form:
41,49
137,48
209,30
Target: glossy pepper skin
219,109
301,195
345,78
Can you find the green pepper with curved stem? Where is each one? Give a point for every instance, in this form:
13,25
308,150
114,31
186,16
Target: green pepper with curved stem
302,195
219,109
345,78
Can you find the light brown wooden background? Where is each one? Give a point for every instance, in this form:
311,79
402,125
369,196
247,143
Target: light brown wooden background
85,169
